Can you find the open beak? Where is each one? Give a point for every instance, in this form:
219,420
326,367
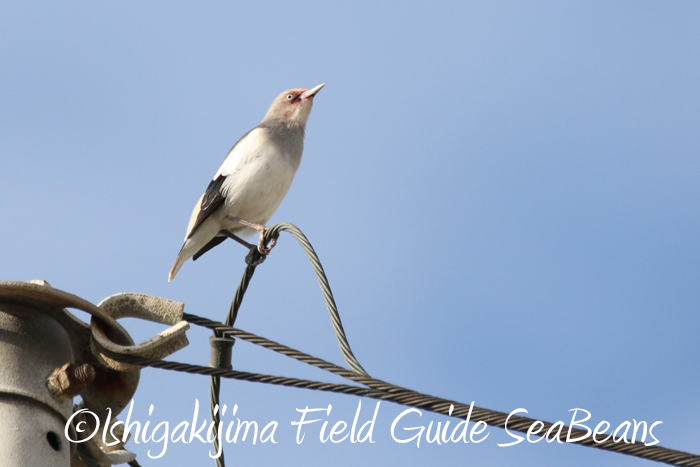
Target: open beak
311,92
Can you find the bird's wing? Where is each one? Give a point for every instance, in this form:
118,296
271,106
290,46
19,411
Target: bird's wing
240,154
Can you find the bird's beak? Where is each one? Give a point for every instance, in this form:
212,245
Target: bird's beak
311,92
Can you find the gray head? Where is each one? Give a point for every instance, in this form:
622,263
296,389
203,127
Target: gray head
292,107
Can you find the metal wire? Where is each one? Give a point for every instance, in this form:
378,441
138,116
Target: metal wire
438,405
215,385
343,343
224,330
214,391
433,404
376,389
255,259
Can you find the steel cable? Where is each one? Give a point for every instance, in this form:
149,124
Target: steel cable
253,261
434,404
215,386
376,389
273,232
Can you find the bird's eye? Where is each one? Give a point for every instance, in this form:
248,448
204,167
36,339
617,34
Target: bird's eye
290,97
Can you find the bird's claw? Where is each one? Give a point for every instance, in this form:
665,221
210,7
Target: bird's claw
261,243
260,249
250,258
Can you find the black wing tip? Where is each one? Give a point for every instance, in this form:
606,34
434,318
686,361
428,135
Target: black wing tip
211,244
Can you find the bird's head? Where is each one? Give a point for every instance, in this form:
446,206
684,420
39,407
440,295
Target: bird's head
293,107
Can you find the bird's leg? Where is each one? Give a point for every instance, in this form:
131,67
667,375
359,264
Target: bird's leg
235,237
261,239
249,259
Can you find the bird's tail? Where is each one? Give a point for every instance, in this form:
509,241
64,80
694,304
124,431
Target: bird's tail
201,236
179,261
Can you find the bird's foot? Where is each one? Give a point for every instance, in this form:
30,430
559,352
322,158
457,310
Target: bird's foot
265,250
262,249
254,258
259,252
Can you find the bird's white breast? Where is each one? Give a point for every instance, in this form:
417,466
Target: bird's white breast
260,180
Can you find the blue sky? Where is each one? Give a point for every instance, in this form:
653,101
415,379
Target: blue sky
504,196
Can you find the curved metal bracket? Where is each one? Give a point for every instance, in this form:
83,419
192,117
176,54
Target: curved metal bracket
115,383
148,308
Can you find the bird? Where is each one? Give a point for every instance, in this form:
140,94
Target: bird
253,179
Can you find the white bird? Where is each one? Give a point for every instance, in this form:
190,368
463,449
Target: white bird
253,179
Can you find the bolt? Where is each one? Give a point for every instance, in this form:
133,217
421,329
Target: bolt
85,373
70,380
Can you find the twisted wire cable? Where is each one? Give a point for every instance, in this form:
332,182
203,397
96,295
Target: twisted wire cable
215,385
438,405
222,329
214,391
447,407
256,258
273,232
376,389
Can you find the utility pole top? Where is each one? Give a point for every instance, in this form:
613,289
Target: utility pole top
48,356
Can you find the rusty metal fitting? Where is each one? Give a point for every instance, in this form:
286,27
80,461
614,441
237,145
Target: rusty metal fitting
70,380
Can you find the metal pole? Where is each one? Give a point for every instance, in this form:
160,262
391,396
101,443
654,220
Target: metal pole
47,358
32,345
